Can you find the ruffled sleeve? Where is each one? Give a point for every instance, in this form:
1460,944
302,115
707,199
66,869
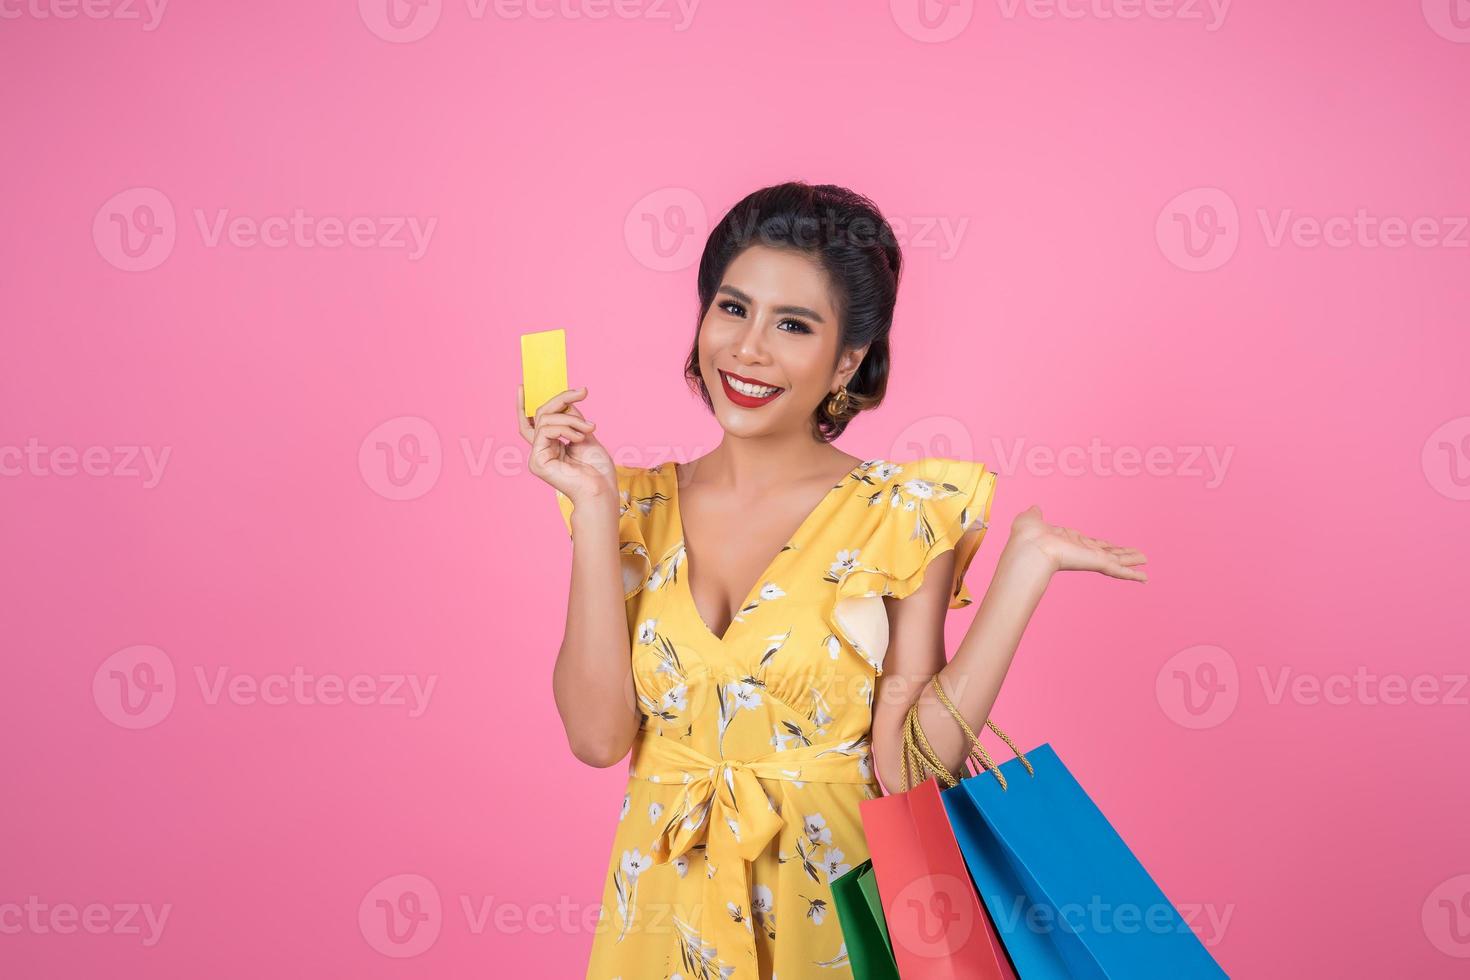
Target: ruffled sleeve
930,506
633,509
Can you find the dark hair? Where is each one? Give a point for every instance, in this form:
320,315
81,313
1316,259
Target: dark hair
857,248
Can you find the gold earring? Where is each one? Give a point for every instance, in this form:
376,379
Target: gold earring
837,404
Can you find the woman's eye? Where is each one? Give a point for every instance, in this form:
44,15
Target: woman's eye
735,309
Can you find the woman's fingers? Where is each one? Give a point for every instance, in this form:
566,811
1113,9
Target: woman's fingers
551,420
554,430
562,418
1132,574
528,431
557,403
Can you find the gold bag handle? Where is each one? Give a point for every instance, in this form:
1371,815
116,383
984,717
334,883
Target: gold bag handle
919,757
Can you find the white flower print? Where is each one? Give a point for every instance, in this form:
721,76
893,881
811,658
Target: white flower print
865,765
816,909
701,956
674,697
659,575
920,489
781,739
846,562
839,960
771,591
733,697
833,864
627,798
625,881
773,646
762,909
746,696
668,658
834,645
786,733
635,862
817,831
820,717
762,901
695,818
681,864
808,860
737,913
647,630
654,810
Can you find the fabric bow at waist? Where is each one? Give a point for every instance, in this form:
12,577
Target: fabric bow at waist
725,807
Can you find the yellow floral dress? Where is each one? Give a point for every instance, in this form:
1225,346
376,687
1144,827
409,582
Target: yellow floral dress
754,748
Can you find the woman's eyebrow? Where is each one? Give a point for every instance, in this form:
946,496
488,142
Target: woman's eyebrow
793,310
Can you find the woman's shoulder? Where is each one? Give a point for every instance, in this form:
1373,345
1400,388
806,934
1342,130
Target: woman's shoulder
932,466
632,479
645,492
911,475
641,491
924,499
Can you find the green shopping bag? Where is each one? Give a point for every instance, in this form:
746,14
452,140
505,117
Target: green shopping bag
860,913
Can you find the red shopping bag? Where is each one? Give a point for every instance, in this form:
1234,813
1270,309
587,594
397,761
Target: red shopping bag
936,923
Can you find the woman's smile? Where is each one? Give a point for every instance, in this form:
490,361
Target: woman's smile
746,392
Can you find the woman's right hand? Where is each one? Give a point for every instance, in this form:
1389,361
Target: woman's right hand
580,468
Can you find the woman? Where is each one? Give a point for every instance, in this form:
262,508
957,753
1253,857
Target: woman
757,624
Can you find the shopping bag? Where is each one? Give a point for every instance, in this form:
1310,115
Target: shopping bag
937,927
860,913
1066,894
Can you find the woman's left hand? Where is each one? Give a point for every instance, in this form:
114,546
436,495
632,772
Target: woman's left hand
1070,550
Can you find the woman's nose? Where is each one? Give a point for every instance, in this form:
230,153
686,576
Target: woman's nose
751,344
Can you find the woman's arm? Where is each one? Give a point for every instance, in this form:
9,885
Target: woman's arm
972,679
593,677
1033,553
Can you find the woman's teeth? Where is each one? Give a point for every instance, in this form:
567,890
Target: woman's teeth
754,391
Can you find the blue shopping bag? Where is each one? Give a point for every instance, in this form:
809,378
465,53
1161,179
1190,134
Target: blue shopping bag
1066,894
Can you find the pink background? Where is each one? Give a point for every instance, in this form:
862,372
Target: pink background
565,162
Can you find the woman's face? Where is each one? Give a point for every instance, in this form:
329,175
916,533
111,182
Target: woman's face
772,325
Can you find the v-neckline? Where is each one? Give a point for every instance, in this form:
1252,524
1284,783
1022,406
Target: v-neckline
760,581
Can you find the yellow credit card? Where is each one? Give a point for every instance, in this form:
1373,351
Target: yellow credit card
543,367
